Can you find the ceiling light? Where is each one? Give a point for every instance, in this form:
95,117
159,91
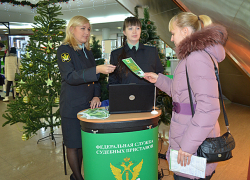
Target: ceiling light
97,29
17,25
119,27
106,19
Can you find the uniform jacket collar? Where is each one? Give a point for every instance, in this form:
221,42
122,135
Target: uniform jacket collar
141,46
198,41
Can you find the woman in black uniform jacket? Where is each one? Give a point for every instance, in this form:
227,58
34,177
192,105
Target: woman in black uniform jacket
144,55
80,88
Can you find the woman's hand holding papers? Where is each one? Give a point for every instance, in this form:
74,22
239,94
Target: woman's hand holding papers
151,77
105,68
183,157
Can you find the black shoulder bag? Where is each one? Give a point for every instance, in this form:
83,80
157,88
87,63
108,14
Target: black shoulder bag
219,148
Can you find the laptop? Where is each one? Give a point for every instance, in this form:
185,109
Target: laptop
131,98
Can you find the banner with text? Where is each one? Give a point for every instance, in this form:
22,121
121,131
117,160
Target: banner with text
121,156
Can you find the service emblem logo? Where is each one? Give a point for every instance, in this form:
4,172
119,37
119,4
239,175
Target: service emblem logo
65,57
118,173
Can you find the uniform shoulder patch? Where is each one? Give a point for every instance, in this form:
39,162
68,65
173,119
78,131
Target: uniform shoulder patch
117,48
150,45
65,57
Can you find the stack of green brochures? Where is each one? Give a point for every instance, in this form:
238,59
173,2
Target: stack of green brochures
96,113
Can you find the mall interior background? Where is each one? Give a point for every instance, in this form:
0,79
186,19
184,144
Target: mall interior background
28,160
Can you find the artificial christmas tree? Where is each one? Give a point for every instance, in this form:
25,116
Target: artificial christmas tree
96,50
148,32
39,81
149,36
103,81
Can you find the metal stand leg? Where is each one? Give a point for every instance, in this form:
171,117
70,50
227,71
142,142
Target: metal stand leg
64,159
50,135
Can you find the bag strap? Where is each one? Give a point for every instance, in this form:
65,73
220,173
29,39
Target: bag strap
190,95
220,94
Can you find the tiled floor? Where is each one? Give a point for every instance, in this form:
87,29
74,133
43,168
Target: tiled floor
27,160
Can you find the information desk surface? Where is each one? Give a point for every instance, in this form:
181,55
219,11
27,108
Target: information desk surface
120,122
122,117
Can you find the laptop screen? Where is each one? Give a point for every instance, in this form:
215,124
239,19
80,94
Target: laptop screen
130,98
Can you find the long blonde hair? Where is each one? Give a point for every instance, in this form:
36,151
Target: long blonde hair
70,39
188,19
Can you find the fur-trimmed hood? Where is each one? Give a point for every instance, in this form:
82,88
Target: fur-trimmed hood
209,36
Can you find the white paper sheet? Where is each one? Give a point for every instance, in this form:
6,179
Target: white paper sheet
197,166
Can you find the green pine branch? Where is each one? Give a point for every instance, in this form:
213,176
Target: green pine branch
96,48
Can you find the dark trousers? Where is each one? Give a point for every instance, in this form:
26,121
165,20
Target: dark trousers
8,88
176,177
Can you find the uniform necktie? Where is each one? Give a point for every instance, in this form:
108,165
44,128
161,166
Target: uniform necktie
82,47
134,49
